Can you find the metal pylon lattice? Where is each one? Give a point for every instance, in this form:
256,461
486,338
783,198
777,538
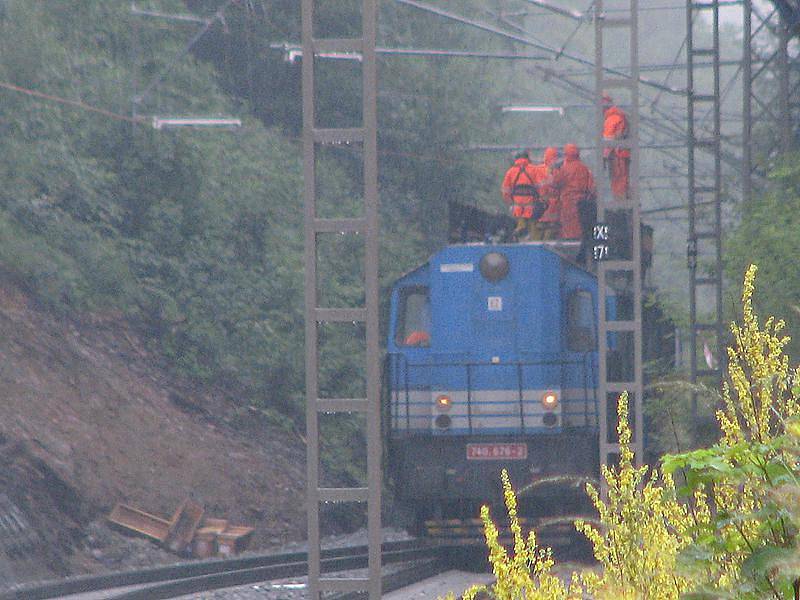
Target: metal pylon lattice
314,315
620,331
765,54
704,247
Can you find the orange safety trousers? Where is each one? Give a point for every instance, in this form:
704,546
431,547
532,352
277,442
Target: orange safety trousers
620,175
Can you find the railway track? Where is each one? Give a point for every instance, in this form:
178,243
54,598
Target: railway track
202,576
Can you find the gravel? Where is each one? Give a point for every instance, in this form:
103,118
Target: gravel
284,589
104,549
295,588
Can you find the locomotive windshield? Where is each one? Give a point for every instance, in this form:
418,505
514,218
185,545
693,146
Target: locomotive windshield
580,322
414,322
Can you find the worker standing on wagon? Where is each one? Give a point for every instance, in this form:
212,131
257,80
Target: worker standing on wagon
521,193
550,223
574,183
616,160
577,197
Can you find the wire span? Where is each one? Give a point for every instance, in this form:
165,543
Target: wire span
68,102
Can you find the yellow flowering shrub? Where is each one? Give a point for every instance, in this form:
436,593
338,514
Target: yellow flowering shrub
644,528
524,574
754,457
734,534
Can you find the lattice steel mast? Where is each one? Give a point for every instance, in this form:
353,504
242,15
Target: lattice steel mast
704,249
314,314
625,329
777,107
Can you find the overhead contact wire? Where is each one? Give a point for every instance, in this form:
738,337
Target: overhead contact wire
74,103
529,42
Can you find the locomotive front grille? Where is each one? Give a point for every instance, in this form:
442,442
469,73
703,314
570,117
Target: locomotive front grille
496,410
490,411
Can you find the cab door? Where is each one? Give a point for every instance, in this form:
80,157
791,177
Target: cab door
580,352
410,345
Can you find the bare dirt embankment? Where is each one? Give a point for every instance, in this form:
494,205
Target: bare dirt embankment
90,417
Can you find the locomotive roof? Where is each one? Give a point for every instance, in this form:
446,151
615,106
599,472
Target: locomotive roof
566,249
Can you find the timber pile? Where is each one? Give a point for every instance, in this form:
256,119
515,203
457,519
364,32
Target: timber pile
188,532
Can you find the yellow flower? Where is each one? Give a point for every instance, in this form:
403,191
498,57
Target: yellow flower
644,527
525,574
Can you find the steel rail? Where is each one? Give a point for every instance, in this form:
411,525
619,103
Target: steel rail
226,579
93,583
404,578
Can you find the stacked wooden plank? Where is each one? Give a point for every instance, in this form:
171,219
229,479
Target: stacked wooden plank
189,531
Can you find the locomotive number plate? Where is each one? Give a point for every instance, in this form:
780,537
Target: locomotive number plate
497,451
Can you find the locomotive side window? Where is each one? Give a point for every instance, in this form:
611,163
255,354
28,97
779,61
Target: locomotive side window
414,319
580,322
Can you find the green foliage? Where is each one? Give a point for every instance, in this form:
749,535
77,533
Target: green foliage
772,220
738,549
195,235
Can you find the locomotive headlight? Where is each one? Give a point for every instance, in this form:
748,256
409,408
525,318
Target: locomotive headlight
443,421
494,266
443,402
550,400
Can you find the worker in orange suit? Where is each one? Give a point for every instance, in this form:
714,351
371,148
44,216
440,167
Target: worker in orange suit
574,183
521,193
616,160
418,338
549,225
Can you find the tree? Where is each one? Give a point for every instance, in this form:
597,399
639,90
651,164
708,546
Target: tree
773,218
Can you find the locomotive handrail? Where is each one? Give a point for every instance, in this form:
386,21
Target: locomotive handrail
524,363
589,358
521,404
469,398
585,363
408,404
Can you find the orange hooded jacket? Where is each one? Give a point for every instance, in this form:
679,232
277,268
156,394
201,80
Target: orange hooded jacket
573,182
553,212
615,127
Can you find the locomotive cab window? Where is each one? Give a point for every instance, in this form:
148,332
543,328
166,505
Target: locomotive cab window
414,318
580,322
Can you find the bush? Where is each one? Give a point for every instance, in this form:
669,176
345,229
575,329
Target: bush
643,529
729,531
747,471
523,574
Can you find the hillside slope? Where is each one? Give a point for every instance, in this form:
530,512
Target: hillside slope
89,417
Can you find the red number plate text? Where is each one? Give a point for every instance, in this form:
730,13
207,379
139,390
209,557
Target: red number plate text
497,451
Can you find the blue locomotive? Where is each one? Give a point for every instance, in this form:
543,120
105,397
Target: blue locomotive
492,363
